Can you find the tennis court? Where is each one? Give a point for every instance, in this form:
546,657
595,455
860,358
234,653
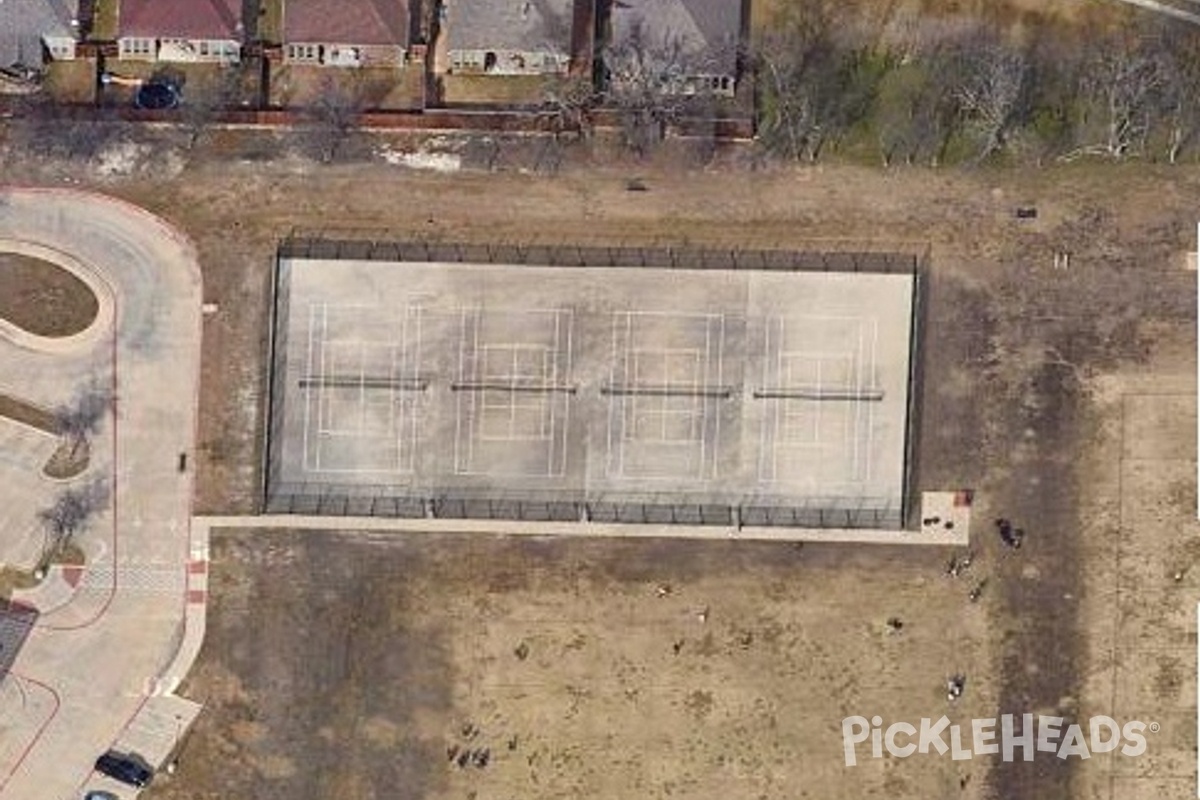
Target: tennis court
747,396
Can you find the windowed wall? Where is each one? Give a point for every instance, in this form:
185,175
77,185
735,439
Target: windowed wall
137,49
179,50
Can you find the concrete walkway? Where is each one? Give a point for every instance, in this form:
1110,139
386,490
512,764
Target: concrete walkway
929,535
96,659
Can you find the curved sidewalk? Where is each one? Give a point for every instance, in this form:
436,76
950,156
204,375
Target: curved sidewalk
134,612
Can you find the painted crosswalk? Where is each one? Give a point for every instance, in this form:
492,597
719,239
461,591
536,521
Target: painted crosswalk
135,578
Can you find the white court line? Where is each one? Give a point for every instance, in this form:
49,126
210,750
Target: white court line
414,405
394,398
820,354
817,405
713,473
764,422
325,423
474,422
820,358
697,441
345,421
356,470
849,431
566,400
308,396
797,417
548,410
856,446
550,368
827,317
517,355
512,396
633,413
625,400
612,379
321,401
662,401
348,435
458,400
701,404
781,409
362,387
869,447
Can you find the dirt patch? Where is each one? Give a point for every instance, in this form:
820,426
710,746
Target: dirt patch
29,414
458,666
69,460
43,298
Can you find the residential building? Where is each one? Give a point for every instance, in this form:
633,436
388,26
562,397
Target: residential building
690,46
345,33
32,31
180,30
508,37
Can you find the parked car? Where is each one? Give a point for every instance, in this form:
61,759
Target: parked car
126,768
98,794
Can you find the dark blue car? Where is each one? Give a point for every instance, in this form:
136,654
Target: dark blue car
127,769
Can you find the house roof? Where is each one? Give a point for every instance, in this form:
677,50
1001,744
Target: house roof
707,31
23,23
534,26
186,19
366,22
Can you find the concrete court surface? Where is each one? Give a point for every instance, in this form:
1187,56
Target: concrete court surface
702,388
92,668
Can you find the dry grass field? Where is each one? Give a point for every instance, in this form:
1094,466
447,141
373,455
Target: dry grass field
378,662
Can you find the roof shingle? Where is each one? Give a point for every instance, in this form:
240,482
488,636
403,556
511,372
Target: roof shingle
23,23
185,19
707,31
535,26
365,22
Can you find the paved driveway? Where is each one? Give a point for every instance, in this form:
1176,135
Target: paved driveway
91,672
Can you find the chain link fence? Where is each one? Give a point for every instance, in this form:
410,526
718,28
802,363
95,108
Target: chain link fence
827,256
442,503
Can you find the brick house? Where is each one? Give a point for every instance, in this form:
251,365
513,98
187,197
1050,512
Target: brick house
694,41
345,33
514,37
32,31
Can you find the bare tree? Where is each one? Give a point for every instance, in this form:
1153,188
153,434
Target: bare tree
1052,112
794,61
820,75
42,127
202,104
647,85
917,110
993,90
70,514
80,420
339,103
567,106
1124,80
566,117
1180,97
